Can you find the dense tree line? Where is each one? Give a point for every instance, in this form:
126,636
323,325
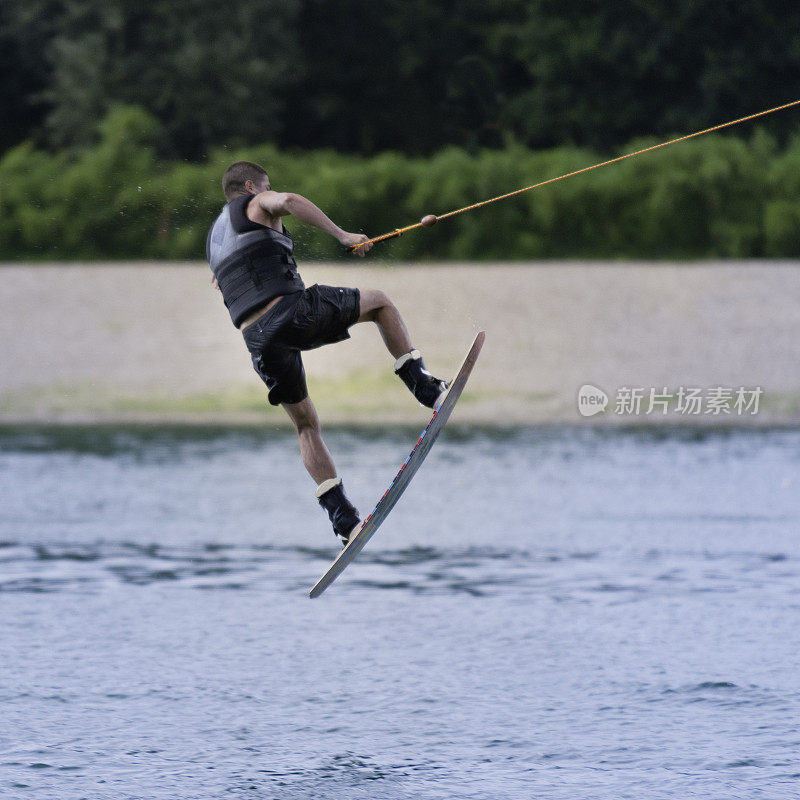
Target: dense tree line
710,197
405,75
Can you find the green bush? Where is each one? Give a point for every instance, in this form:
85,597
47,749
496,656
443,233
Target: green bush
711,197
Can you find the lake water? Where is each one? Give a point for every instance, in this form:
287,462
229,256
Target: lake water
548,613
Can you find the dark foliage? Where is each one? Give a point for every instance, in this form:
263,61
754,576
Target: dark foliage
404,75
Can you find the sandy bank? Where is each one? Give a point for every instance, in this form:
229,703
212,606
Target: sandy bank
152,341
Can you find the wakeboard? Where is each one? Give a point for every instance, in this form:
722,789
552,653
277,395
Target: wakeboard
390,497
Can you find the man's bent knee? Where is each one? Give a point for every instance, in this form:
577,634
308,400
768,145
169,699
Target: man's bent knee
303,415
372,301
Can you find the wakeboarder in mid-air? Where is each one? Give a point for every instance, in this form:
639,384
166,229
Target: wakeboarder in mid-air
251,255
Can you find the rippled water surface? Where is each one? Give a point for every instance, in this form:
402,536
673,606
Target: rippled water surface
546,614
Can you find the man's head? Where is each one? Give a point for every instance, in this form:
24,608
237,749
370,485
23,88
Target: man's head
244,177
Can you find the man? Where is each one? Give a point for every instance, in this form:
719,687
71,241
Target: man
250,253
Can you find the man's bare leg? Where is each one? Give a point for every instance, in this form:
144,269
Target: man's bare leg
316,456
378,308
317,460
409,366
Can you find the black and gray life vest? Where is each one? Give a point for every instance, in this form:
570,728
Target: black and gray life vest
252,263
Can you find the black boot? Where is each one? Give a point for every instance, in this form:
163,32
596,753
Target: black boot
341,512
422,384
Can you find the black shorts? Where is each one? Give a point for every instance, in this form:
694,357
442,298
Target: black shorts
301,321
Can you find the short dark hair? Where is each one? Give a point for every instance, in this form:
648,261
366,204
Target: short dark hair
237,175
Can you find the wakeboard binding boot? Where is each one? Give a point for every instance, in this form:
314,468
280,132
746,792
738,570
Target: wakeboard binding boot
429,391
341,512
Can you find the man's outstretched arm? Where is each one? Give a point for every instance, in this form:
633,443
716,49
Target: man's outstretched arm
282,204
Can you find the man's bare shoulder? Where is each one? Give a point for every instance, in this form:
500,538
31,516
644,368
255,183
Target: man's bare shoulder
267,208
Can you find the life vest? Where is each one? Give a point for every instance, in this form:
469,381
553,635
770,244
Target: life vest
252,263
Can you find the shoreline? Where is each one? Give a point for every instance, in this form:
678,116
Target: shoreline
226,425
